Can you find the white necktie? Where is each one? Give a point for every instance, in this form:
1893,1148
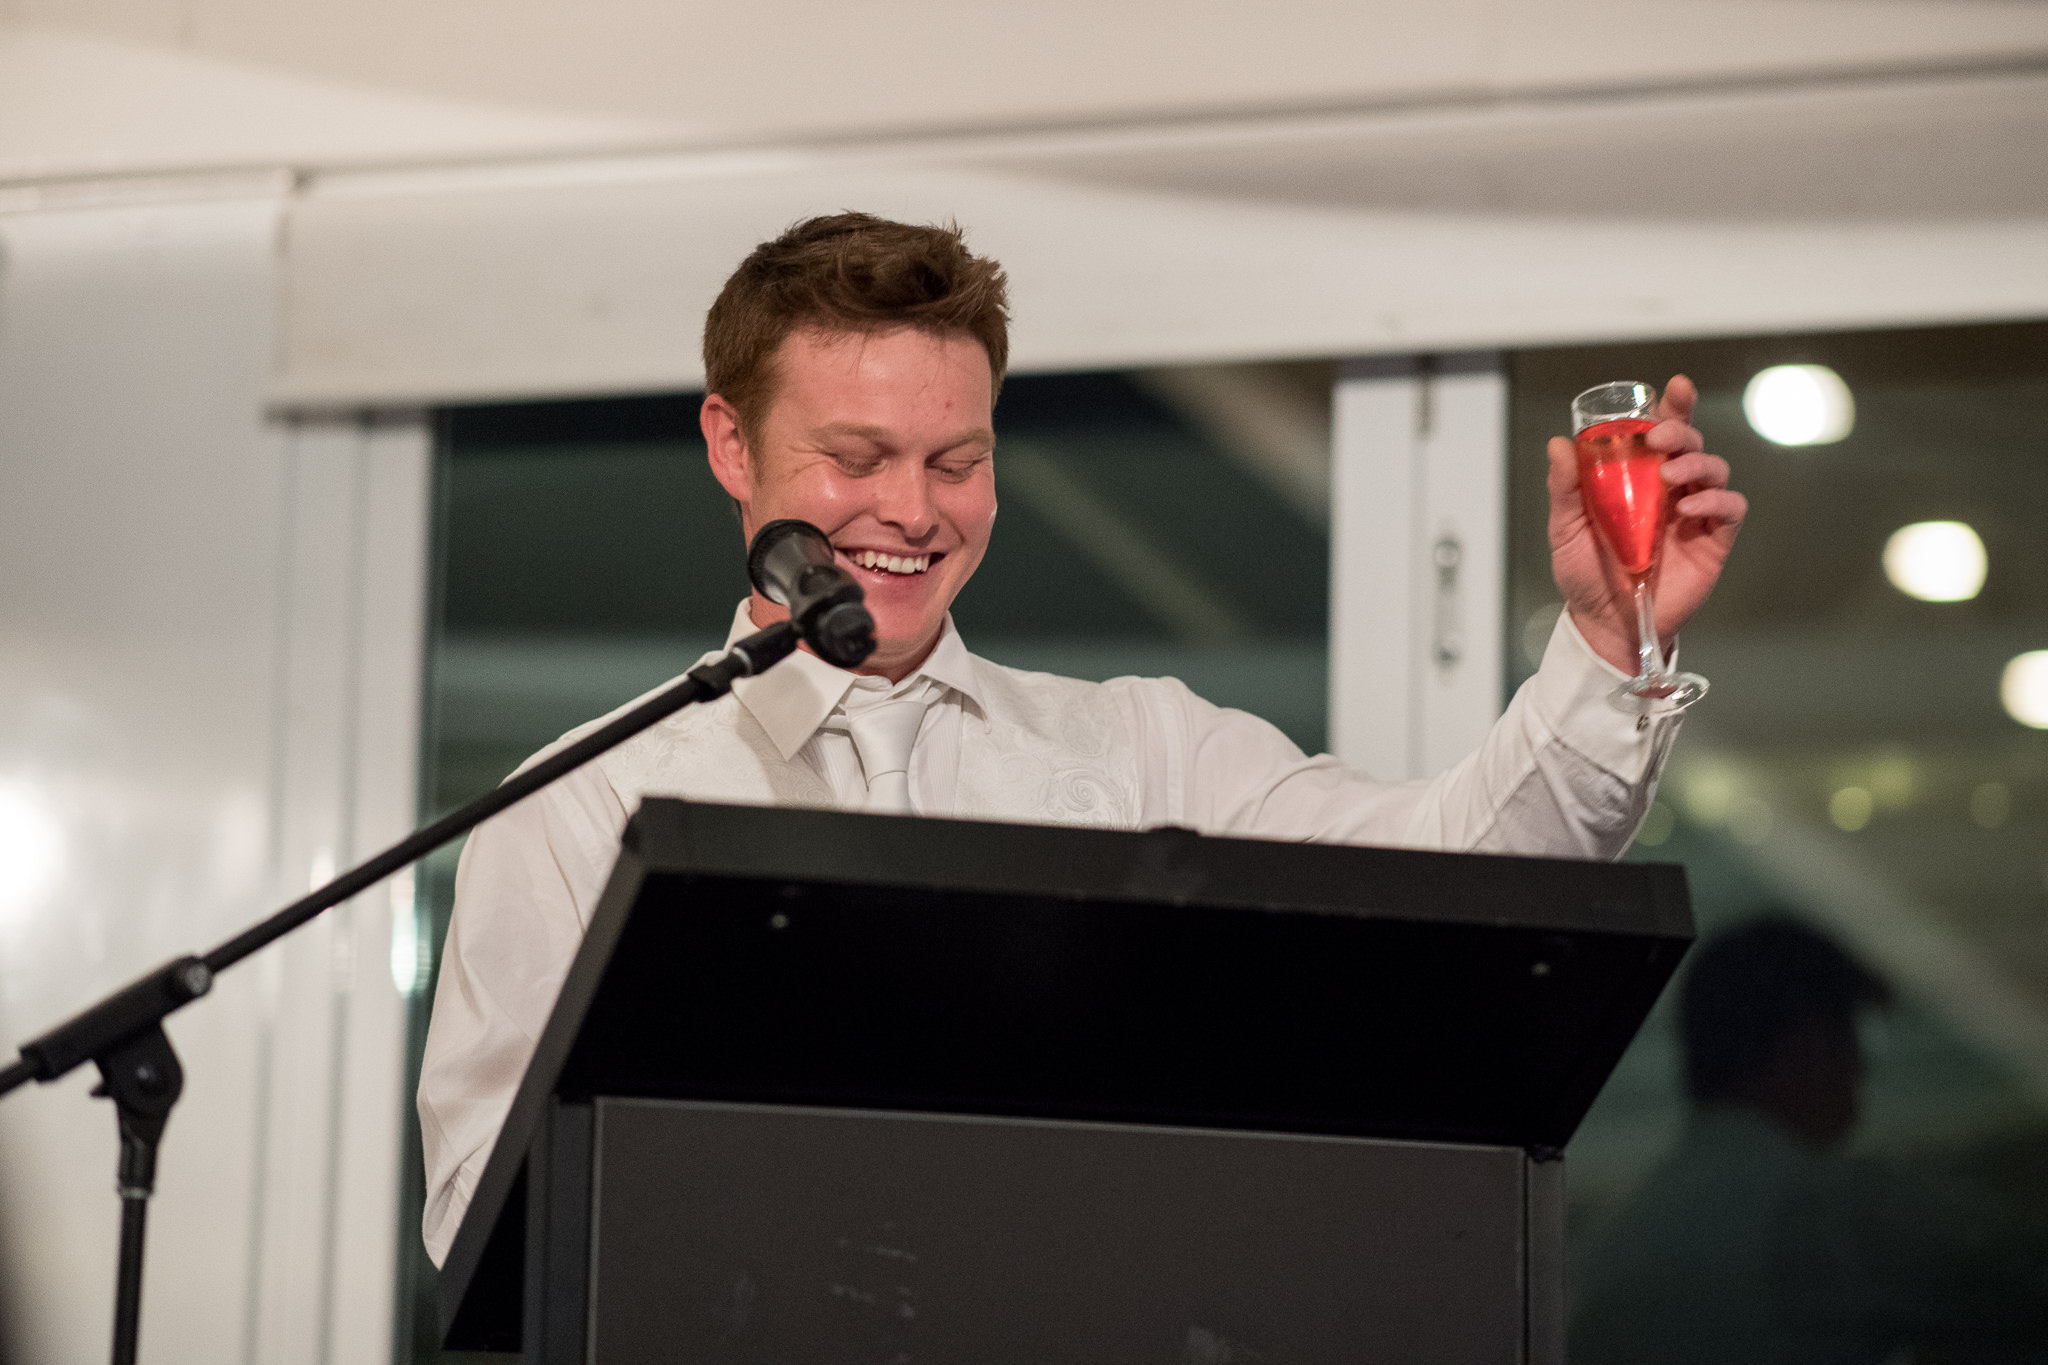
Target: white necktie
882,733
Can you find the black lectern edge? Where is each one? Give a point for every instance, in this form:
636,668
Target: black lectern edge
950,854
664,828
1597,1064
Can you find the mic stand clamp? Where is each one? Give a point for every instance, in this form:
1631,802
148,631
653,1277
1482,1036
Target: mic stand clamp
143,1079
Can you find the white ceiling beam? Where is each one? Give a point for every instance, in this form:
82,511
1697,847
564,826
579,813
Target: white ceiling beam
1666,216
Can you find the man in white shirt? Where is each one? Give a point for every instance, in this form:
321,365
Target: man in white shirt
853,366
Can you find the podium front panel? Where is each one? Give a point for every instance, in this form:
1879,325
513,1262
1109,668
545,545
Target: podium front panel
739,1233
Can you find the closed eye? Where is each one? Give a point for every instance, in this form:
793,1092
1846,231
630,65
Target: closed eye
957,469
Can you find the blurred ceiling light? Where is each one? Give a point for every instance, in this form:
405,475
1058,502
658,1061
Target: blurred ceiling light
1851,808
1936,561
31,847
1990,804
2024,689
1891,778
1799,405
1709,792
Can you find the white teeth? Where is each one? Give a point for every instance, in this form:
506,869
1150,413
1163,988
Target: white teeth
874,559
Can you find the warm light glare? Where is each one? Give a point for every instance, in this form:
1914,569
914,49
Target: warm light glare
406,968
321,870
1990,804
1851,808
1936,561
1892,779
2024,689
1709,793
31,848
1799,405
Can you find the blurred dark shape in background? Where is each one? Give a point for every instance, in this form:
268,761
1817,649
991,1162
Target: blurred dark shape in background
1758,1239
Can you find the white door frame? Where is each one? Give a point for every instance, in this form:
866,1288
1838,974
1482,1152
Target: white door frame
1418,549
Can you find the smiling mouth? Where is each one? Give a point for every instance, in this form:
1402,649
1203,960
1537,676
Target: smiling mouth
895,564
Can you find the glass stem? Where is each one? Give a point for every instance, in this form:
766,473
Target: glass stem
1649,653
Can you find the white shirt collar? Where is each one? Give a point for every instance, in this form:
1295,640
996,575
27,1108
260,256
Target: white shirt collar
795,697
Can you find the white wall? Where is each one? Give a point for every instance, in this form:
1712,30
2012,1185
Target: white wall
209,645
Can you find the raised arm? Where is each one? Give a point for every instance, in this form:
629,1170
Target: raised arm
1563,771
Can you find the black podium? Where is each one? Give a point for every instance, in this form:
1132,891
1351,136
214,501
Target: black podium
842,1088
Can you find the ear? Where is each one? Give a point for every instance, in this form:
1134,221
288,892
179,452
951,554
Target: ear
731,462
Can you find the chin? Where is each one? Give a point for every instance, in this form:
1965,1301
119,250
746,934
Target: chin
897,639
890,644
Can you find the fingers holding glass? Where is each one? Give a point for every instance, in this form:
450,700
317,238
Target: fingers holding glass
1628,498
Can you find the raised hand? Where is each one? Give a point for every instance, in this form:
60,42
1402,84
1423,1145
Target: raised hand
1706,515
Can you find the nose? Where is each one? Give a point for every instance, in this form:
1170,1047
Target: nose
904,499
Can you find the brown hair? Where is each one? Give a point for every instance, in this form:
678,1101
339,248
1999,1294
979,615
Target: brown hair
850,272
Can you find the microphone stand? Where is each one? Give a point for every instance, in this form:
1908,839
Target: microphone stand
123,1034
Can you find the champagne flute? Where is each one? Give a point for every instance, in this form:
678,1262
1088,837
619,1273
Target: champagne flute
1621,481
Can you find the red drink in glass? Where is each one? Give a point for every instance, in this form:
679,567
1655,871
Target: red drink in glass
1622,482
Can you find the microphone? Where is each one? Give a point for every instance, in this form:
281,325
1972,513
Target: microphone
791,564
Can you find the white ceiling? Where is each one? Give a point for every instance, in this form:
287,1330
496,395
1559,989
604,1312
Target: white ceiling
1883,150
1662,218
88,86
496,198
74,105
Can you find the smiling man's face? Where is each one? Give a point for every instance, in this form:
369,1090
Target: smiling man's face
885,442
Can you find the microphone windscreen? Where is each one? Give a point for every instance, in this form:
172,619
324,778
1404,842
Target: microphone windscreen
791,564
781,551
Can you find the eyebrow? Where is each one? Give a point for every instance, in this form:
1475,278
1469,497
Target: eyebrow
883,436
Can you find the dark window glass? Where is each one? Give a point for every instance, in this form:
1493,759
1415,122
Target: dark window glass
1853,769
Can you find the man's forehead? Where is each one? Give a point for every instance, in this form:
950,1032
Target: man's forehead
875,386
874,434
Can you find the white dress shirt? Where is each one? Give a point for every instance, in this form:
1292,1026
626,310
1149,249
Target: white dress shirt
1562,772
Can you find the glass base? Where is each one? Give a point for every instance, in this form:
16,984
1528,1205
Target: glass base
1660,695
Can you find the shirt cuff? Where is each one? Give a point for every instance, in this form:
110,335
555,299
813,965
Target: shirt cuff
1571,692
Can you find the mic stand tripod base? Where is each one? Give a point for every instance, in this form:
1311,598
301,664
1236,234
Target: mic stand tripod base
143,1079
